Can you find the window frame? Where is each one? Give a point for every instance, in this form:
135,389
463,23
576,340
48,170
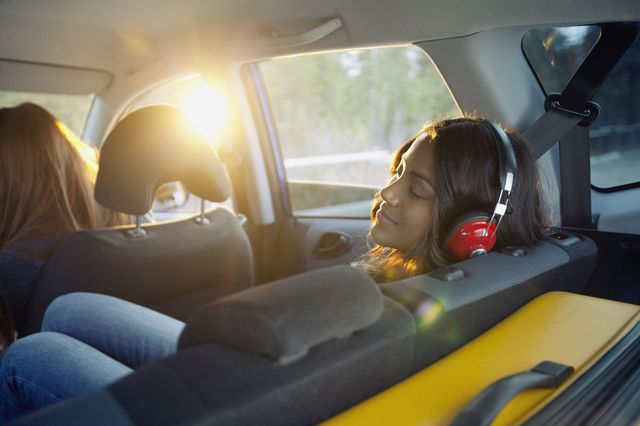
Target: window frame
264,120
267,130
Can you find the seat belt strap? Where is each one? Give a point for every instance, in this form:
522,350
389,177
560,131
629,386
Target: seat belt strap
571,129
575,179
550,128
568,116
572,106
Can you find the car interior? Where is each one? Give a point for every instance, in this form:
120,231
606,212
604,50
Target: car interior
280,208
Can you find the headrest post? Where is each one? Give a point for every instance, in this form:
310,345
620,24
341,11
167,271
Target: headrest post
138,231
202,219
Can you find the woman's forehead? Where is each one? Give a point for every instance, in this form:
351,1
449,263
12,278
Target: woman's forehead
420,151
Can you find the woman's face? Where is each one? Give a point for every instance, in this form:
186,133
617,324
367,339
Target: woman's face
405,214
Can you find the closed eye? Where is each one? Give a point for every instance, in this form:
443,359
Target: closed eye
415,194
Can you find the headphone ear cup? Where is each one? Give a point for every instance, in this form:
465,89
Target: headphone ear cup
468,237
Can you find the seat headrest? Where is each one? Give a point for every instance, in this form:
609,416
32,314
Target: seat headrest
152,146
282,320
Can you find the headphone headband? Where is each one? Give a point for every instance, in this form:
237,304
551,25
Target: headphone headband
506,156
507,166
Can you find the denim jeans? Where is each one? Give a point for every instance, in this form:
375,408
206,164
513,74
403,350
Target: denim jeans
87,342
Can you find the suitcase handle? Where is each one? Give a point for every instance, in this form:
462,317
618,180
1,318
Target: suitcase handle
485,407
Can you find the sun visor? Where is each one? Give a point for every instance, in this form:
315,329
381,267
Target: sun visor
41,78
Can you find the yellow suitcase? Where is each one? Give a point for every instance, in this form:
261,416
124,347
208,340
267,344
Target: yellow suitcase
570,329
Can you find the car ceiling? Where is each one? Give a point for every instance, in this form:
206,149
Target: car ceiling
125,37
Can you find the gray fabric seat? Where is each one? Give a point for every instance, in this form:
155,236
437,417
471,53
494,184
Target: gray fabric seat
172,267
214,380
212,384
423,319
449,314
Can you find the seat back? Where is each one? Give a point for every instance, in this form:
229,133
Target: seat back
220,378
172,267
348,343
454,305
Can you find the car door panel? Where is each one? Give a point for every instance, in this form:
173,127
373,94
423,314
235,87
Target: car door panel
323,233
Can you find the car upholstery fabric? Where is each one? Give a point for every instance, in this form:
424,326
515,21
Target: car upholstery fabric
494,286
499,271
100,407
232,387
285,318
212,384
161,269
152,146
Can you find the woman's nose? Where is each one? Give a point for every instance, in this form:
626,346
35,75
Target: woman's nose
390,195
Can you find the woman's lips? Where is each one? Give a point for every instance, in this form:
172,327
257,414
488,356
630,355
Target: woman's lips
383,218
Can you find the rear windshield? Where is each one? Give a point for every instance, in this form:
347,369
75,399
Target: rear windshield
70,109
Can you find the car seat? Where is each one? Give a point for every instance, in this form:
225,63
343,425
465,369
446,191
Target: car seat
171,267
294,351
305,348
455,304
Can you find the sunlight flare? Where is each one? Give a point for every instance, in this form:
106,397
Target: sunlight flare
207,111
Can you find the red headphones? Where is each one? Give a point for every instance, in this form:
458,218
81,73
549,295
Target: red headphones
475,233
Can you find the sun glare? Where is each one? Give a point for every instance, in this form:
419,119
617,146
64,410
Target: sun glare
428,312
207,112
89,154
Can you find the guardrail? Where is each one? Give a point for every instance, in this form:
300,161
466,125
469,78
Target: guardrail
378,157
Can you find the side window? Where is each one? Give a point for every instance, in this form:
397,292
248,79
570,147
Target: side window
615,135
207,111
72,110
555,54
340,115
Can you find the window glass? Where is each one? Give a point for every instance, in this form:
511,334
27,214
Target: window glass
207,111
615,135
70,109
340,115
555,54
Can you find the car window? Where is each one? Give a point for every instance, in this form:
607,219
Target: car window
207,112
70,109
340,115
555,54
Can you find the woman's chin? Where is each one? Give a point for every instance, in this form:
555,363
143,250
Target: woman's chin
379,236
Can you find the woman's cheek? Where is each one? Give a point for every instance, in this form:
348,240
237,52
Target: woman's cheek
422,225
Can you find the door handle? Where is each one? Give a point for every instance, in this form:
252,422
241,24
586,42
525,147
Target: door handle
332,244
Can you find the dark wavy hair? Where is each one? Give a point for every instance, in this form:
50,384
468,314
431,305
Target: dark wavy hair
467,180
